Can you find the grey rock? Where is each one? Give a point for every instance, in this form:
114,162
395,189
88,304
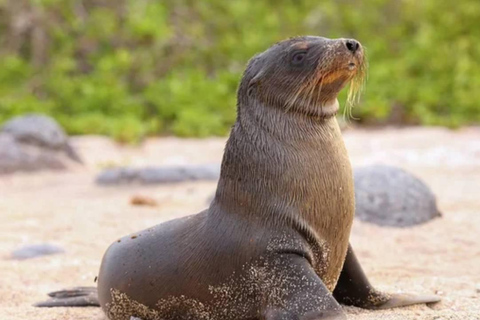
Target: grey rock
117,176
34,142
163,175
36,129
41,131
15,156
390,196
204,172
158,175
10,154
34,251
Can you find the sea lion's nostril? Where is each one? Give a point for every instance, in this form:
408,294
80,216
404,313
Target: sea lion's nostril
352,45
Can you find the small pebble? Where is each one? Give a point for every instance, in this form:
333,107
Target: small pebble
139,200
36,250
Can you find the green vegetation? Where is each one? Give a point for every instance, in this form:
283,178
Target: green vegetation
129,68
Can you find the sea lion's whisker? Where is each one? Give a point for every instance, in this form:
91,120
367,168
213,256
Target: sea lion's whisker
319,93
312,91
356,87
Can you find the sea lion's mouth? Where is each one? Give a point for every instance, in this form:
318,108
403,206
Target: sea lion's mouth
329,69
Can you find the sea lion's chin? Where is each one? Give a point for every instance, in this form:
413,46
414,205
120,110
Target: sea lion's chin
330,109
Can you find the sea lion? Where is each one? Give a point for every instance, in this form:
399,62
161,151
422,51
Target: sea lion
273,244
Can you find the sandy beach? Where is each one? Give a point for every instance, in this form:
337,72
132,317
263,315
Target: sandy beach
69,210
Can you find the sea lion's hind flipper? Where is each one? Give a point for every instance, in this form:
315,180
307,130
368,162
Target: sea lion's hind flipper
74,297
73,292
353,288
403,300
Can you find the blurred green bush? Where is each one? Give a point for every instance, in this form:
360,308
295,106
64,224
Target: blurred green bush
129,68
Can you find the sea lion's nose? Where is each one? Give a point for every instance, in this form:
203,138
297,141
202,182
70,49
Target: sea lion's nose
352,45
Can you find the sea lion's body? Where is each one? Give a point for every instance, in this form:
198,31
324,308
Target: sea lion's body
237,257
274,242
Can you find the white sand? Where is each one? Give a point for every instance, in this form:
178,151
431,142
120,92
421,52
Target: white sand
69,210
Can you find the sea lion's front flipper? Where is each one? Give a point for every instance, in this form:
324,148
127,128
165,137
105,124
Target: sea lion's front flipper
353,288
75,297
293,291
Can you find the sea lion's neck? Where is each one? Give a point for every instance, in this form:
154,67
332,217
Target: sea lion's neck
287,123
282,166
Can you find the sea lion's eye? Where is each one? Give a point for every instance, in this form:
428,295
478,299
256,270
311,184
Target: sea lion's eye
298,58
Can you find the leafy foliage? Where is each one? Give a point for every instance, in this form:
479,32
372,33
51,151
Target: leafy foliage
129,68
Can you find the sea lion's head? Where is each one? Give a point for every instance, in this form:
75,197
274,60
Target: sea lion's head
304,75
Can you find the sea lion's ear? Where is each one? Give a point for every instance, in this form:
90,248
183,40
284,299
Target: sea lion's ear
254,82
255,68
